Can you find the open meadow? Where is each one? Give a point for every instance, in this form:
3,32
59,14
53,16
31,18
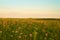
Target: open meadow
29,29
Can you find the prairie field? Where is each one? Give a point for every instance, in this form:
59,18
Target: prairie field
29,29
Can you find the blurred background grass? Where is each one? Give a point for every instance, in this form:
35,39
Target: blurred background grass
29,29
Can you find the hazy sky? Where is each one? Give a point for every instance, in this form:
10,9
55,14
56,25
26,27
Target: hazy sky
30,8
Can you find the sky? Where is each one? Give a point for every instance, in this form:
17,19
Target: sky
29,8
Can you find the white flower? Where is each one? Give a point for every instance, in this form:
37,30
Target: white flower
19,27
0,31
16,31
45,38
19,36
21,33
11,35
13,31
46,34
30,35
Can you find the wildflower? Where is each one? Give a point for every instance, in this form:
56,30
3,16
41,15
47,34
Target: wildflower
19,36
46,34
16,31
13,31
30,35
0,31
19,27
11,35
21,33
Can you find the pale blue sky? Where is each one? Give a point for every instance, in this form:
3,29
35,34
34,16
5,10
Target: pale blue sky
30,8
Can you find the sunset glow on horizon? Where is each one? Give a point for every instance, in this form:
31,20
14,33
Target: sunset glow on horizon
29,8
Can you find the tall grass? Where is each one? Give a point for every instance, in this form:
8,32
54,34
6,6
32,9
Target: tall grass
29,29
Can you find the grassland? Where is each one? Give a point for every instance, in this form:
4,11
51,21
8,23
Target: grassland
29,29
